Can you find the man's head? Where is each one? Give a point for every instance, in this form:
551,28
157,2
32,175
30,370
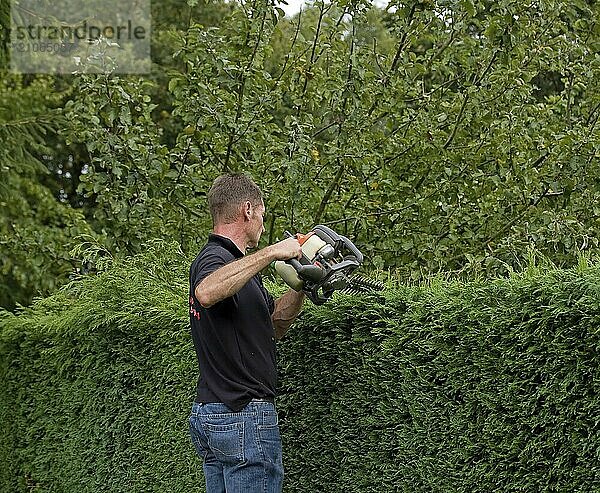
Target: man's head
235,198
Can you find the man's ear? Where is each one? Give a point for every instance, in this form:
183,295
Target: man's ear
247,210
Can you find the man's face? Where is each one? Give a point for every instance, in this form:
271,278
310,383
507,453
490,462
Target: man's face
256,227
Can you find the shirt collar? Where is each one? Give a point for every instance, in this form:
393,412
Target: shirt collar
226,243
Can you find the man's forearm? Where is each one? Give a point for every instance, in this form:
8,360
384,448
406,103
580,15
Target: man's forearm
287,308
229,279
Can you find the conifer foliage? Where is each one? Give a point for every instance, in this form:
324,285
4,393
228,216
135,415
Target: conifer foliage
441,386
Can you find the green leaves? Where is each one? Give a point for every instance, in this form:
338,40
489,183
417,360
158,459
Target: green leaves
95,347
127,173
446,385
439,136
452,386
36,228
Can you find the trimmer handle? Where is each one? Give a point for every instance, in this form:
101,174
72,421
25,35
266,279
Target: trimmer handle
327,260
338,240
309,271
312,273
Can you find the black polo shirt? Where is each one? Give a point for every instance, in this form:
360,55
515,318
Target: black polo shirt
234,339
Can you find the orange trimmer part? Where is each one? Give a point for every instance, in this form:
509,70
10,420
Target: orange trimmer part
303,237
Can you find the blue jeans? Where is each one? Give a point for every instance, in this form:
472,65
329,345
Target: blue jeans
241,451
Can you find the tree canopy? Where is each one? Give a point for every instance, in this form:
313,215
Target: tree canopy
440,135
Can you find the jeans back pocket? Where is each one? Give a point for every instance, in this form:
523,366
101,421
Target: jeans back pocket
227,441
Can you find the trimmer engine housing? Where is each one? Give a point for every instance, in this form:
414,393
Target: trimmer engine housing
327,261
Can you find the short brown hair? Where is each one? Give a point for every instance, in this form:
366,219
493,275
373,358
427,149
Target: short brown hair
228,192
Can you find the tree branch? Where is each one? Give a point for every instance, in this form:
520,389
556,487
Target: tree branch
329,191
457,122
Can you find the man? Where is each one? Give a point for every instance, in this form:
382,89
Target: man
234,323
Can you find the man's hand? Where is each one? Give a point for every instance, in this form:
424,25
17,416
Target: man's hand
286,249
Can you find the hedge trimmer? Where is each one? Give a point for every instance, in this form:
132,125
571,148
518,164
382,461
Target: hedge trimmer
327,265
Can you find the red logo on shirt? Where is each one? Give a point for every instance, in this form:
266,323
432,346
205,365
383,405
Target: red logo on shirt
193,312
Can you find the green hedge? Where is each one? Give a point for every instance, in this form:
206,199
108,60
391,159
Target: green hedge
446,387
